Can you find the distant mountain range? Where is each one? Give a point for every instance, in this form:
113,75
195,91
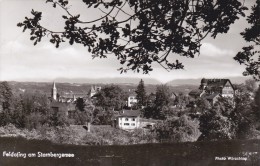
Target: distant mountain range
234,80
129,80
109,80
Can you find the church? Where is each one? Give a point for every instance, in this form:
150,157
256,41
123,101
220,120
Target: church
67,102
72,97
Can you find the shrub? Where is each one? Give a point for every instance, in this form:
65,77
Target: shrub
178,129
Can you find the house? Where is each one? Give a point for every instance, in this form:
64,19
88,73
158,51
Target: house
128,120
211,89
212,98
224,87
131,100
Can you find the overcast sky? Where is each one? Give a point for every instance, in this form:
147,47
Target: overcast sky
21,61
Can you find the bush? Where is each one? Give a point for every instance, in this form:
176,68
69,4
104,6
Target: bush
178,129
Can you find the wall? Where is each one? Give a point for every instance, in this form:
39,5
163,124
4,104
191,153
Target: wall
133,124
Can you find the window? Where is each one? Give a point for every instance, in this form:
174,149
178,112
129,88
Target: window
133,124
133,119
126,119
126,124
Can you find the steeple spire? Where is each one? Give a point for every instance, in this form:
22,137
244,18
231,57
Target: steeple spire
54,86
54,92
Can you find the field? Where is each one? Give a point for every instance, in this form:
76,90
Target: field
173,154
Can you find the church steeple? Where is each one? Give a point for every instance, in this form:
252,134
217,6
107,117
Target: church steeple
54,92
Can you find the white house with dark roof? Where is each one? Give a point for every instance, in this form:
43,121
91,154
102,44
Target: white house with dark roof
128,119
131,100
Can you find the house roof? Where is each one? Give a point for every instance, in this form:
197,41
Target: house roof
212,96
195,92
72,95
216,84
130,113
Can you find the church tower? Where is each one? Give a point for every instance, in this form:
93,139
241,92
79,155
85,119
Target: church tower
54,92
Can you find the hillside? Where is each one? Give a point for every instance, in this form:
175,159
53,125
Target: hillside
84,88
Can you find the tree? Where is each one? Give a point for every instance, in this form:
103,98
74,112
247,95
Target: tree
202,105
162,95
6,95
250,55
111,98
215,126
257,102
150,31
182,100
80,104
84,111
6,100
251,85
180,129
243,116
141,94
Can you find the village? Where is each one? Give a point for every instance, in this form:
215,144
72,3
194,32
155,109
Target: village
131,115
108,114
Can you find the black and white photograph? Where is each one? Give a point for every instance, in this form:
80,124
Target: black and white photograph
130,83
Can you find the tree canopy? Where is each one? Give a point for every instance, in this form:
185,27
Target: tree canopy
250,55
141,94
110,98
149,32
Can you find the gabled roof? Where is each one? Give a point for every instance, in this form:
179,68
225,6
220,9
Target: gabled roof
130,113
195,92
212,96
217,82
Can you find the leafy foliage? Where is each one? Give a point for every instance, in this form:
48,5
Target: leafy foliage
151,31
257,102
111,98
181,129
6,95
250,55
215,126
243,116
229,119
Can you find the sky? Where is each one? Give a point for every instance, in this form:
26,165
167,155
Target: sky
20,60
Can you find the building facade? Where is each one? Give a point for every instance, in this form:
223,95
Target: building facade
128,120
131,101
212,89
